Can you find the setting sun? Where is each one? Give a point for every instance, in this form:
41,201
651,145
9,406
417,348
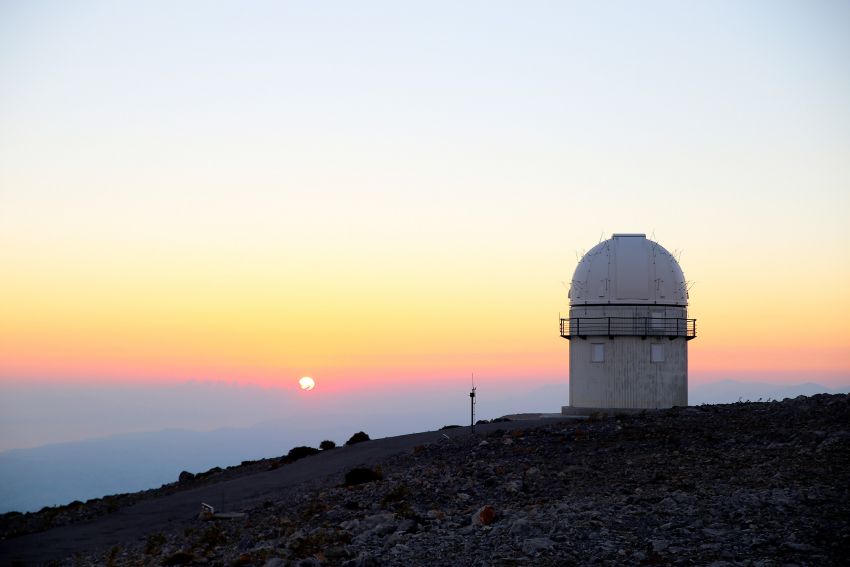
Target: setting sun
307,383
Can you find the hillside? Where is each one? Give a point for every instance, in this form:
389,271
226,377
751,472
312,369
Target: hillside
737,484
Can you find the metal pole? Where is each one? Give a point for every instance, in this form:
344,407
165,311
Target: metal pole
472,406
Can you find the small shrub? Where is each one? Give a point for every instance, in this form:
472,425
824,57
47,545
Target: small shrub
297,453
399,493
185,476
360,475
112,504
358,437
443,428
327,445
154,544
212,538
112,556
318,540
212,471
315,507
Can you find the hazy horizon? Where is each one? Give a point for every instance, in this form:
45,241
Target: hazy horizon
73,412
133,461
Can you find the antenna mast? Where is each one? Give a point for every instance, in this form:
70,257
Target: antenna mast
472,405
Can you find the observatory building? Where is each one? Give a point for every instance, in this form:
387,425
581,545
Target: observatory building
628,328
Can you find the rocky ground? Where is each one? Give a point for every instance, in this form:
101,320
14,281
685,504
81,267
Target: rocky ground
738,484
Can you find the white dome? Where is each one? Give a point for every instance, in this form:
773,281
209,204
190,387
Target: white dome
628,269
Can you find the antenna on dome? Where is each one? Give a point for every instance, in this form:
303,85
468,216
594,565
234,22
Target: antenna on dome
472,404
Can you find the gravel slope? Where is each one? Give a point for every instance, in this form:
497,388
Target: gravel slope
738,484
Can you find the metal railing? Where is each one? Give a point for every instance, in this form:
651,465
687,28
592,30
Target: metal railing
628,327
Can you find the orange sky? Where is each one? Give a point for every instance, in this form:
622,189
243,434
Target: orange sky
407,209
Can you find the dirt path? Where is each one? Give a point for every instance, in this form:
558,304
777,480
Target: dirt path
167,512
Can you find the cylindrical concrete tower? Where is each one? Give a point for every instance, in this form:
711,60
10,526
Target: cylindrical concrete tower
628,328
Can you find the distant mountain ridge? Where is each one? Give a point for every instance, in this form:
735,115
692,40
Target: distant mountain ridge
93,468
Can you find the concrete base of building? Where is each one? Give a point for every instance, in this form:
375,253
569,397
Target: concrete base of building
536,416
576,411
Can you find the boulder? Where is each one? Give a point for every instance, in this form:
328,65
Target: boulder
485,516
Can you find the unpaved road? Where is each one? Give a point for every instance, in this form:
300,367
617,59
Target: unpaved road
167,512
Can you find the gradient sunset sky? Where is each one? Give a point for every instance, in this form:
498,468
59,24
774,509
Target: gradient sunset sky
398,192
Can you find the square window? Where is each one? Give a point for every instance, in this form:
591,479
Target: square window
597,352
656,353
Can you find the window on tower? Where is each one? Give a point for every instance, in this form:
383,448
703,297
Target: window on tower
656,353
597,352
